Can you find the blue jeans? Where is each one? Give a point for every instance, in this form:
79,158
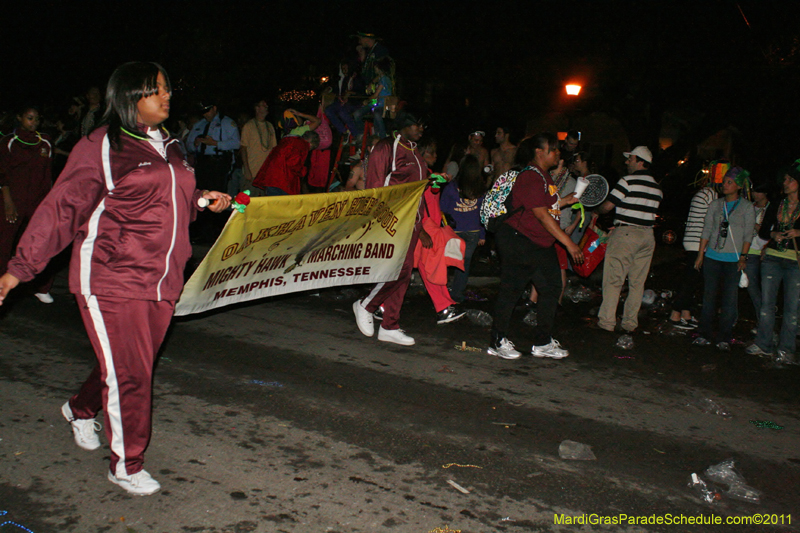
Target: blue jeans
341,116
720,282
753,271
377,119
775,270
459,283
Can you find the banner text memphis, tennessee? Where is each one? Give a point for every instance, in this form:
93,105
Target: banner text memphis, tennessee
284,244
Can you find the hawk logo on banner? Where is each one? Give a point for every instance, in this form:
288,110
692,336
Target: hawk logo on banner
284,244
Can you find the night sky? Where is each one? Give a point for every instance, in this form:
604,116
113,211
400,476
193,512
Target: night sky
735,63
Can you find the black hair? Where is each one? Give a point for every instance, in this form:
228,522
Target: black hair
128,84
762,187
425,143
526,151
470,179
793,171
506,130
573,134
586,157
26,107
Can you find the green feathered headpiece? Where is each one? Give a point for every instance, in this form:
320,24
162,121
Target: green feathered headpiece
741,177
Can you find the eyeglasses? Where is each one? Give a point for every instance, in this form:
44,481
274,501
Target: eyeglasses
723,229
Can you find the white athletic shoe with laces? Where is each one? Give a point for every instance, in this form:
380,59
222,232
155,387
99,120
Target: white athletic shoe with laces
364,319
504,350
85,431
140,484
397,336
552,350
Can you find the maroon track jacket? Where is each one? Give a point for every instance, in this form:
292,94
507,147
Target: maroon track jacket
128,213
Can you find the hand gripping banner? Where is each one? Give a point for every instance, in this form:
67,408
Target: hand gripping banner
283,244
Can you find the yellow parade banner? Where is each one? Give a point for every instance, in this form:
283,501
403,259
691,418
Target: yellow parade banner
283,244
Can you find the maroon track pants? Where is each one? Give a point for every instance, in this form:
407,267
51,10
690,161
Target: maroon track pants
126,335
392,293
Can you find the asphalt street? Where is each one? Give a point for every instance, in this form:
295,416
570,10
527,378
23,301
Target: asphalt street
278,415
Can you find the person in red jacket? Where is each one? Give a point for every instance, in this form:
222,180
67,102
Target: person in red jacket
285,166
26,161
125,199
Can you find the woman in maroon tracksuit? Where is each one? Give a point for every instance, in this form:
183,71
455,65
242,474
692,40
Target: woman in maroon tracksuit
126,198
26,161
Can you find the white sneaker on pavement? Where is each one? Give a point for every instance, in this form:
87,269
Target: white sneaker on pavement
44,297
364,319
552,350
141,483
397,336
504,349
85,431
754,349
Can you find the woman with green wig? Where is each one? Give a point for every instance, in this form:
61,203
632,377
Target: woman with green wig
727,233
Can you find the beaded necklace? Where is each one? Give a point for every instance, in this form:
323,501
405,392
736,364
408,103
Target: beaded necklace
561,180
264,142
786,221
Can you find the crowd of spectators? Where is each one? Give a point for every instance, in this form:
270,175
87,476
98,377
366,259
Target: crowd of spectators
291,151
736,235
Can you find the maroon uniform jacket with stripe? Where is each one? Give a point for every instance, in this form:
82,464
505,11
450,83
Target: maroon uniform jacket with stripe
25,167
128,213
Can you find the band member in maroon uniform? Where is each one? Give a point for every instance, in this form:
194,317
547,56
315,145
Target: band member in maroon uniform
125,198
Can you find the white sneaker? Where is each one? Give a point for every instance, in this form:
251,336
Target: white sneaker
85,431
364,319
754,349
504,349
44,297
552,350
397,336
141,483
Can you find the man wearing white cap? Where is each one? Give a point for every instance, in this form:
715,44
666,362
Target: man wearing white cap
636,198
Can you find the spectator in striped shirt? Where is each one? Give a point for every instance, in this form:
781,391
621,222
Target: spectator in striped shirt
681,316
636,199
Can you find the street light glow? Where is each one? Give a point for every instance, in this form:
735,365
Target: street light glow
573,89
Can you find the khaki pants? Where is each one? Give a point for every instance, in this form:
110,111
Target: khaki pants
629,253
